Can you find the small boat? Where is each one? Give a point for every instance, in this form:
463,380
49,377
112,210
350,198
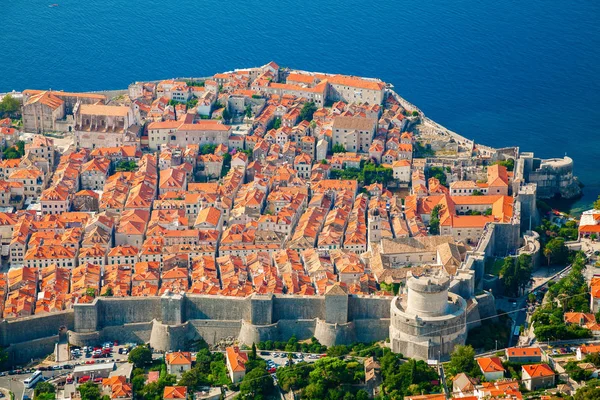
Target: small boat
53,5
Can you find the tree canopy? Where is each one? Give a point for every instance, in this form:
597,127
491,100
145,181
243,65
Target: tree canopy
434,221
462,359
516,273
140,356
89,391
556,251
409,378
9,105
308,109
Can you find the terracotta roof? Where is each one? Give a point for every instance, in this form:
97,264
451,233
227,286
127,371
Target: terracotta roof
490,364
175,392
179,358
236,359
538,370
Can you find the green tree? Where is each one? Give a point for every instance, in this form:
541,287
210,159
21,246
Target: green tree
577,373
140,356
516,273
257,384
9,105
276,124
338,148
248,111
44,390
438,173
509,164
462,359
434,221
90,292
556,252
226,114
253,354
597,204
415,113
477,192
193,379
108,292
308,109
591,391
89,391
294,377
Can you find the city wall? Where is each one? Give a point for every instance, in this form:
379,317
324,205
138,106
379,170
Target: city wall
172,322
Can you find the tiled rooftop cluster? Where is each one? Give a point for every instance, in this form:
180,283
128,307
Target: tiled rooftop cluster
158,192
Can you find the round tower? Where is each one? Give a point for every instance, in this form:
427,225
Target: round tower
428,293
428,321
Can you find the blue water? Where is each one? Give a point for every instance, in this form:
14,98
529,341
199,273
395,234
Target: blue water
503,72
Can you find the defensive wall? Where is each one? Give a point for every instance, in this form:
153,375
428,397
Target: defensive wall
173,321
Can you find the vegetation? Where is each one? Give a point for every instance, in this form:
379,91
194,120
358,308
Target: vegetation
292,345
207,149
308,109
423,151
44,391
140,356
509,164
491,335
597,204
191,103
248,110
275,124
368,173
552,239
338,148
516,273
570,293
126,166
9,105
556,252
195,83
477,193
153,390
591,391
108,292
415,113
209,370
437,172
226,164
405,379
89,391
14,152
462,359
328,378
434,221
357,349
577,373
226,114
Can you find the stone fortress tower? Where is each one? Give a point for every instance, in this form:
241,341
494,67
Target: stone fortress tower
429,321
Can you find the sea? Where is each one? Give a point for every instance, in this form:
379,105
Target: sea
503,72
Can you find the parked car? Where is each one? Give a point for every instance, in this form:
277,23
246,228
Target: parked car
84,379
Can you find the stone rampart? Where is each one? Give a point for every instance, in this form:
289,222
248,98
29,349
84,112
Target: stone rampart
211,318
332,334
35,327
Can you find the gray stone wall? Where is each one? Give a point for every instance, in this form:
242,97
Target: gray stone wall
25,352
35,327
368,307
298,307
125,310
216,307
